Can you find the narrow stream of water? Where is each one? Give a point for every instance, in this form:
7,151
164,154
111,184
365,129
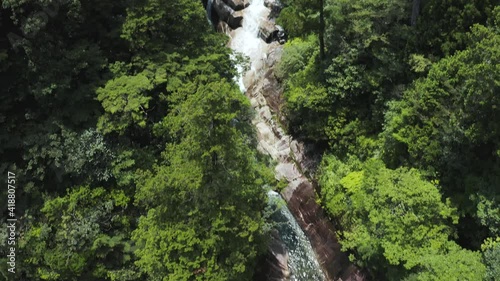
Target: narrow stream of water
302,261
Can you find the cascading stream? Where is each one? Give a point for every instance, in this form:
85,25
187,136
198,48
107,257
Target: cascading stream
302,261
246,39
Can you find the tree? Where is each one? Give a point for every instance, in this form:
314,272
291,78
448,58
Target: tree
447,124
395,222
443,25
94,92
51,72
204,203
491,258
81,236
415,10
449,263
340,95
454,104
125,102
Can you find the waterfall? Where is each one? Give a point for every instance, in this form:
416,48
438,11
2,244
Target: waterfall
301,262
246,39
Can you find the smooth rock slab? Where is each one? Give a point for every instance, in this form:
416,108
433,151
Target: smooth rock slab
321,232
265,113
287,171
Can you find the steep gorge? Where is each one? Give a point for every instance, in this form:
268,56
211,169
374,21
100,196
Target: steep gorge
266,93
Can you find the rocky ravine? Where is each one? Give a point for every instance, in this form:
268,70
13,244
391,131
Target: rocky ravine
266,96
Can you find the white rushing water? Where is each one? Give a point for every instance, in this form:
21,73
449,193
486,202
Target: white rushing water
247,42
301,262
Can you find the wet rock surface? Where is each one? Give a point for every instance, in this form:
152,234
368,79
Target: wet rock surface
227,14
273,266
237,5
266,96
321,232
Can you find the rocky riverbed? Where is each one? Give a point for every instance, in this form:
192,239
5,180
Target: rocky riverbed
266,96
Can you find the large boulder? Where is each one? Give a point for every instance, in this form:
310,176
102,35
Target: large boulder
235,19
275,6
321,232
227,14
266,31
269,32
237,5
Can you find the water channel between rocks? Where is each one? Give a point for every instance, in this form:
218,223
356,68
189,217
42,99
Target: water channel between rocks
302,263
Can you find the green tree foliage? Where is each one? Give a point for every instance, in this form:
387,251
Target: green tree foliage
204,204
342,95
54,61
491,257
443,109
94,93
443,25
372,54
447,123
305,95
395,222
124,102
300,17
414,83
450,262
149,25
81,236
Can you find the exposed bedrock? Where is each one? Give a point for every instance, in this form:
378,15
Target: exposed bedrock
266,97
293,163
321,233
223,27
227,14
237,5
273,266
275,6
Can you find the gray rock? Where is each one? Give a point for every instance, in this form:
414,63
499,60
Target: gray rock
227,14
266,31
235,19
275,6
223,27
237,5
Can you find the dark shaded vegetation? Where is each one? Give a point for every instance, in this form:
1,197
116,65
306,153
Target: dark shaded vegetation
131,144
408,111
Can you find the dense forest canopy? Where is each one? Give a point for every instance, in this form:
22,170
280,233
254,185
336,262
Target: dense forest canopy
136,157
131,141
403,95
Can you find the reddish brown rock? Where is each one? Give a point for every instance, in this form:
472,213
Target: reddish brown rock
273,266
321,233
